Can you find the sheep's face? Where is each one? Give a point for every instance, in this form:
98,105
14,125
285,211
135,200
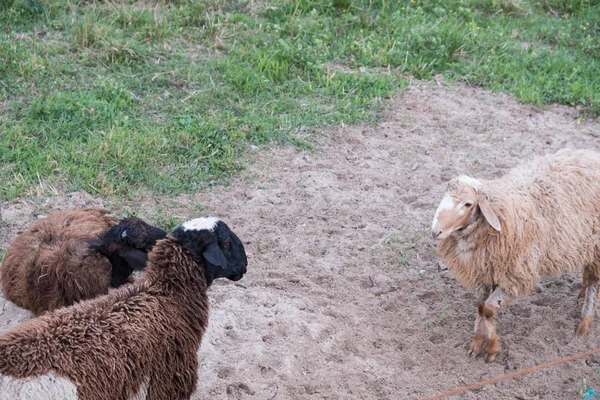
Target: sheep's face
460,207
221,248
126,245
133,233
457,210
137,233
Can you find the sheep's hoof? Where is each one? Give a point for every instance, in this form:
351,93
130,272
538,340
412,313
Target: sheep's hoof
584,326
476,346
491,347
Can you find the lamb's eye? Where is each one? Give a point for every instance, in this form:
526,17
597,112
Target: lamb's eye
225,244
468,205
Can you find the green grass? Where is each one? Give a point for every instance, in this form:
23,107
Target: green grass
164,97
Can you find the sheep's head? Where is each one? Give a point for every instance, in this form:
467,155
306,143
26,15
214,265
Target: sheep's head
136,233
464,199
218,245
126,245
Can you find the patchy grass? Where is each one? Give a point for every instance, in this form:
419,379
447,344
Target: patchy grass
440,322
406,249
164,97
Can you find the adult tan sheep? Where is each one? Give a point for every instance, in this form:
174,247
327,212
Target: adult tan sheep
74,255
501,236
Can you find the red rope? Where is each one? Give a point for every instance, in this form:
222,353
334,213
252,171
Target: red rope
512,375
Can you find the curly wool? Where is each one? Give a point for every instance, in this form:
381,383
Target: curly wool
140,338
549,210
49,266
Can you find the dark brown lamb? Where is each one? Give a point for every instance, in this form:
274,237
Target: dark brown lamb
74,255
140,341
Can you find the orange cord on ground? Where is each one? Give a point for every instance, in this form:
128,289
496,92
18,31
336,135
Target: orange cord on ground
512,375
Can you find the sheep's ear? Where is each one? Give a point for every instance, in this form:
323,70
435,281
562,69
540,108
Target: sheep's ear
488,212
214,255
136,259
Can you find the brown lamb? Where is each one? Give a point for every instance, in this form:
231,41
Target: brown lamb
140,341
74,255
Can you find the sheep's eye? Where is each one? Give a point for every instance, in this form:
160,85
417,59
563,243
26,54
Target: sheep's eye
468,205
225,244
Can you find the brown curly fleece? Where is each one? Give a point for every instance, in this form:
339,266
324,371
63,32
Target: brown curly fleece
49,266
142,335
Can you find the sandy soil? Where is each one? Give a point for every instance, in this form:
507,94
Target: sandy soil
345,298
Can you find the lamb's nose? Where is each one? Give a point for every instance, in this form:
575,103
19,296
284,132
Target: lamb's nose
436,234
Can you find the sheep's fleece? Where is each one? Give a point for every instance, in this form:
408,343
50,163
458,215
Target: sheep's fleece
549,212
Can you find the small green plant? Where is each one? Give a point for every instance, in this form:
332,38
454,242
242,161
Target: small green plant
583,390
442,318
440,322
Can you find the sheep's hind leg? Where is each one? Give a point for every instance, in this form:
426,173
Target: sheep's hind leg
587,313
486,339
584,283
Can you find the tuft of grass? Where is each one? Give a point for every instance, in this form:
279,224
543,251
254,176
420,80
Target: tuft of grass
89,32
165,97
583,391
440,321
168,222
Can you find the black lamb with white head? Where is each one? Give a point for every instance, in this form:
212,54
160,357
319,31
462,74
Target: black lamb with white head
224,253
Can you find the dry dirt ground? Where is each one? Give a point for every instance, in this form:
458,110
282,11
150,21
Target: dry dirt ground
344,298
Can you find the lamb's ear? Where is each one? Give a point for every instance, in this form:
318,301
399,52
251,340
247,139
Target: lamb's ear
488,212
136,259
214,255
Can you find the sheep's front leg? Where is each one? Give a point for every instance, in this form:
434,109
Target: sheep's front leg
486,338
587,313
